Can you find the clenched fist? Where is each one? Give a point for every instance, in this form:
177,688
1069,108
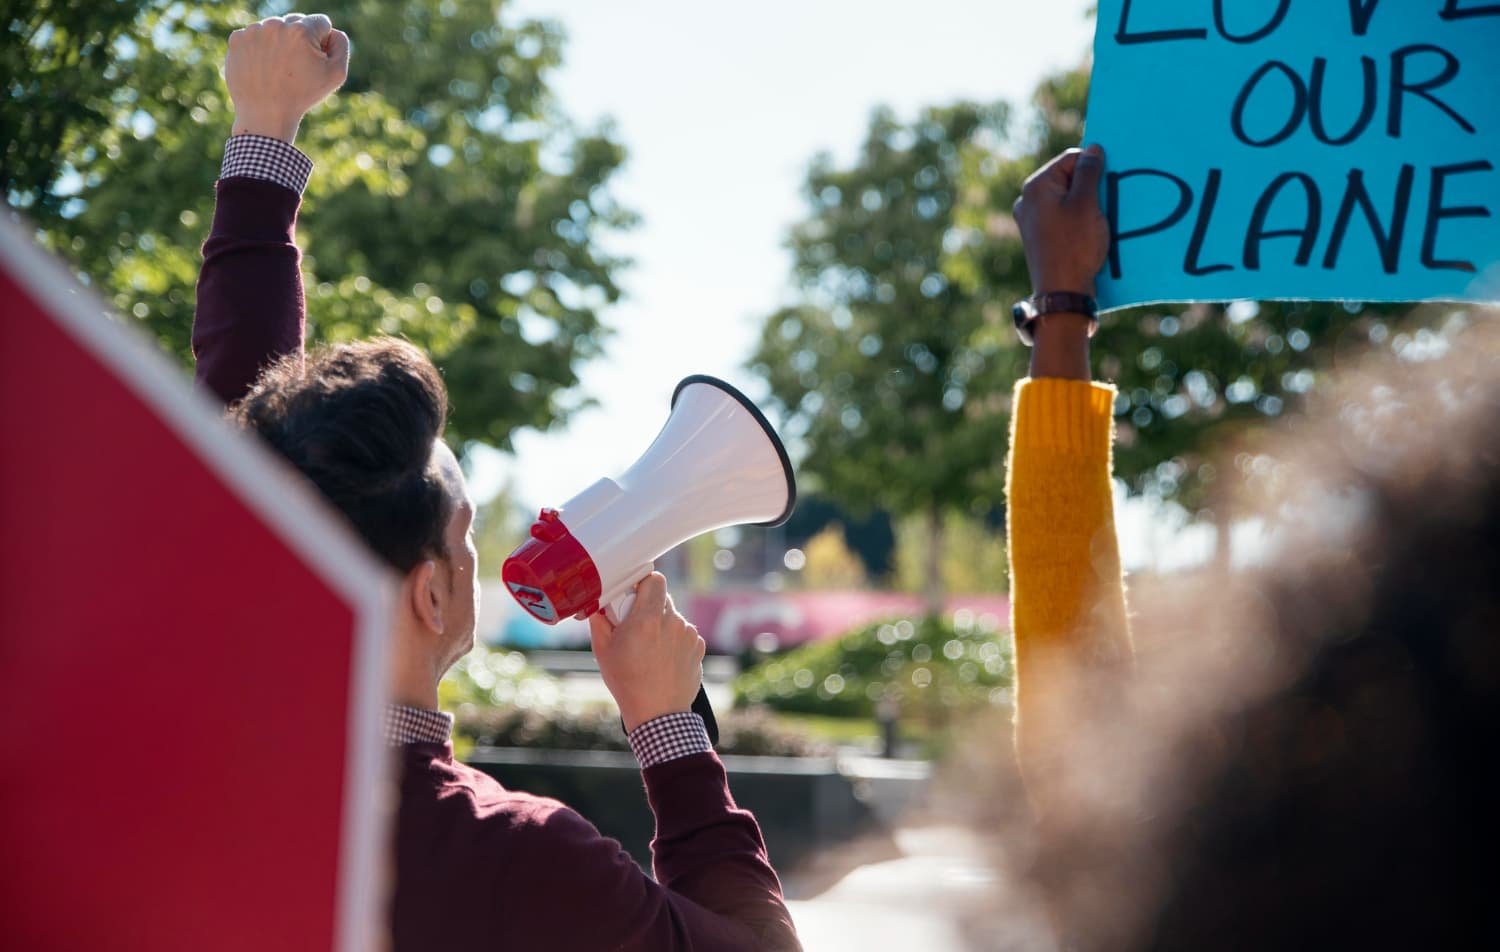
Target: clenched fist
652,662
280,68
1065,234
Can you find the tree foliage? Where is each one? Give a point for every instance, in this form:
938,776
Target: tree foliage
54,61
894,366
870,536
451,203
830,563
931,667
973,558
499,526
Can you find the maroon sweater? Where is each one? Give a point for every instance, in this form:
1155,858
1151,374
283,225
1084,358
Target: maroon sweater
479,866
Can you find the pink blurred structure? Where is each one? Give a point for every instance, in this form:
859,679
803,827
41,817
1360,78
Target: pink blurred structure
732,621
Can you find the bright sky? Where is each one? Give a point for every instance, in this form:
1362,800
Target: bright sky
721,107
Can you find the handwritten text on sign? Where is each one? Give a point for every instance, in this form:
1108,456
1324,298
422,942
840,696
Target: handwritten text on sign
1322,149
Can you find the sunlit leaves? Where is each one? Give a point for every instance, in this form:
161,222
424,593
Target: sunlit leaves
443,171
886,369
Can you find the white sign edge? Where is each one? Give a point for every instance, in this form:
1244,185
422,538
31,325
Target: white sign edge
296,514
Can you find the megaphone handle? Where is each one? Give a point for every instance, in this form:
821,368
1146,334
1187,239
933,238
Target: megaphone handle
618,608
616,611
703,709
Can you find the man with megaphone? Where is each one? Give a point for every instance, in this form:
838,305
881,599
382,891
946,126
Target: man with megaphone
477,865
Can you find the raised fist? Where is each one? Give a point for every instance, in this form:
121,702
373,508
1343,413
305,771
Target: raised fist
280,68
1065,234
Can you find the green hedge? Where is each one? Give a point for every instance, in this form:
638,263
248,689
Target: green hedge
488,677
597,727
930,667
499,699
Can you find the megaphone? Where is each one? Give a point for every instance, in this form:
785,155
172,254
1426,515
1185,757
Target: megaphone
717,462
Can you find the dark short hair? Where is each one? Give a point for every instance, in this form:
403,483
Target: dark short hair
359,420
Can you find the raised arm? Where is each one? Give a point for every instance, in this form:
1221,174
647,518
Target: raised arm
1067,595
250,309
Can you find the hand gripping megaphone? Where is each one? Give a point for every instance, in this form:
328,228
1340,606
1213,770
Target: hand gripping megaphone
717,462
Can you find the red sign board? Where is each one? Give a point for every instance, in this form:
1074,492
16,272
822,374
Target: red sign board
191,658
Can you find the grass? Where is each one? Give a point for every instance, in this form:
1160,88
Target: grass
834,730
858,731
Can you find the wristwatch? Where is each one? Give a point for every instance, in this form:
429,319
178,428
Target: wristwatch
1028,310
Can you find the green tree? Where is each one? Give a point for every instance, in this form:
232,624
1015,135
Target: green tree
452,203
54,60
973,559
499,526
894,367
830,564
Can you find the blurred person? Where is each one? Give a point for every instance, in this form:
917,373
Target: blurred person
1305,756
477,865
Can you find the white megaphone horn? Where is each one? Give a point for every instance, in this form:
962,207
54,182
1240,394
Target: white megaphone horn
717,462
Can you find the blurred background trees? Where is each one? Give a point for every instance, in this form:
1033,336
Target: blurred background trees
54,62
890,370
452,203
894,369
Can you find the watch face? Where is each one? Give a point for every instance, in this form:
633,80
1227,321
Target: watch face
1024,312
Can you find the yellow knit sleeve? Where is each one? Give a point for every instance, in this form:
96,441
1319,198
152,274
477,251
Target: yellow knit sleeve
1067,594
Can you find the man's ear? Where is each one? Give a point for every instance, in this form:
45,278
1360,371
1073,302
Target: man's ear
422,593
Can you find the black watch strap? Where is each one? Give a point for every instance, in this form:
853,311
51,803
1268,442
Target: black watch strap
1028,311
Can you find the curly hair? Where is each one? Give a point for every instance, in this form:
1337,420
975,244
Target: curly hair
359,420
1306,755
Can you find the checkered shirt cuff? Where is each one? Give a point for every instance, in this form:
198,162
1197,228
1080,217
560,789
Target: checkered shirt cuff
415,725
261,157
669,737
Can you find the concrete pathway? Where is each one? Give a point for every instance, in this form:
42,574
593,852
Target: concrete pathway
910,901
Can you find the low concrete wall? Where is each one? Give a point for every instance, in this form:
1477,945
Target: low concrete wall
802,804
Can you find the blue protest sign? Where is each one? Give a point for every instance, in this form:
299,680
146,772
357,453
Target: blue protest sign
1282,149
